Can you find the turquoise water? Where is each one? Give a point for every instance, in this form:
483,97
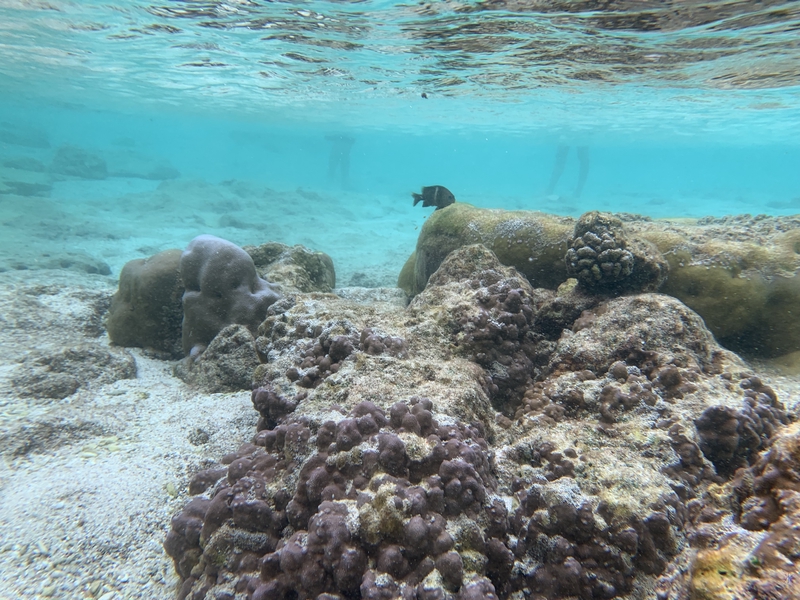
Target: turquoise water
687,109
130,127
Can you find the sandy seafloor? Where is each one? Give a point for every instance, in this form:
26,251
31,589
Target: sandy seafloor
88,484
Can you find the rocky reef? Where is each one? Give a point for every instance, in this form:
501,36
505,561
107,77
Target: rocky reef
498,438
31,176
740,274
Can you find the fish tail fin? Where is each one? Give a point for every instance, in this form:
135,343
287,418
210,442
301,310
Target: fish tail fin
417,198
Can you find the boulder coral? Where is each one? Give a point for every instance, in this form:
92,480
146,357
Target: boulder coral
146,310
533,242
740,274
221,288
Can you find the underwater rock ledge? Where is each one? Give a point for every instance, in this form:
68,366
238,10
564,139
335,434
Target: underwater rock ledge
491,440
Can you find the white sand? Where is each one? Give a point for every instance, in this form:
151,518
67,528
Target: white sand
86,514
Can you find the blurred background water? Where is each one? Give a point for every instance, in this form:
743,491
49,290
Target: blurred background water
685,108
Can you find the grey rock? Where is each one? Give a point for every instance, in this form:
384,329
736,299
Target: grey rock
60,373
48,434
364,295
73,261
25,163
653,323
30,137
295,268
127,163
20,181
77,162
227,365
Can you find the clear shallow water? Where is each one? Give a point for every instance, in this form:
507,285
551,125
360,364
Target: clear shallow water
687,108
628,67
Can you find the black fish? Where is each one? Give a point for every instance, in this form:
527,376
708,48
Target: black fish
434,195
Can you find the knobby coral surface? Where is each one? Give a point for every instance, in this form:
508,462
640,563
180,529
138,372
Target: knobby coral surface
493,440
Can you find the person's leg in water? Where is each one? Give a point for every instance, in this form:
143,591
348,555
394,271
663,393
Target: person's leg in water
334,158
558,169
344,162
339,158
333,164
583,169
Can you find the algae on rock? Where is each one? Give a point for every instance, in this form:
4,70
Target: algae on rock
294,268
534,243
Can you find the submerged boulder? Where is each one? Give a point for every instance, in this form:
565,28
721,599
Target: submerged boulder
227,365
23,135
60,373
23,177
78,162
221,288
294,268
127,163
146,311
